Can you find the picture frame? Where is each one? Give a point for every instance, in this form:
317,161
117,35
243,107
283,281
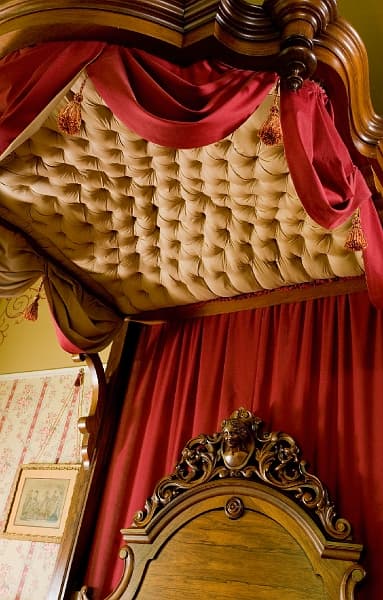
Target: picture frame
40,501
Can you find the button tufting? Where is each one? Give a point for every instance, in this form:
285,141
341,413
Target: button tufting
158,226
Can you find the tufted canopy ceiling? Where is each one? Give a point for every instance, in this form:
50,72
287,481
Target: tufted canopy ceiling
149,227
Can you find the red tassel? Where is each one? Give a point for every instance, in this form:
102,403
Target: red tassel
355,239
69,117
79,379
31,313
271,132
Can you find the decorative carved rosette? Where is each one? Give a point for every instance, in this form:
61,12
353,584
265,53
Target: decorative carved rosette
244,451
234,508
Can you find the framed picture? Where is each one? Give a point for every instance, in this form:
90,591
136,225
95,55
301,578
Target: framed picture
40,501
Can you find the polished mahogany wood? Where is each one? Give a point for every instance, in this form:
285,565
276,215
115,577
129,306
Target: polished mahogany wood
297,38
108,396
240,517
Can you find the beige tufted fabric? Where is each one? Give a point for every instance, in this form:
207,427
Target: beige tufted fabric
145,227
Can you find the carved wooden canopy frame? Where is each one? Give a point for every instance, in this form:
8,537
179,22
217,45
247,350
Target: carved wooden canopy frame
297,38
240,472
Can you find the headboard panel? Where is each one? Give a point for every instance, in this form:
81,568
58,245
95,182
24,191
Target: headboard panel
240,517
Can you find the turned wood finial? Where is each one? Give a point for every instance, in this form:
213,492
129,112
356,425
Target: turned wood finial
299,23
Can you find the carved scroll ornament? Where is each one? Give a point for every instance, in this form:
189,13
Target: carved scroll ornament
243,450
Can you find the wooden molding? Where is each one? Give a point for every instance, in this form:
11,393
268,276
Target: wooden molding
341,50
294,37
72,557
284,295
89,425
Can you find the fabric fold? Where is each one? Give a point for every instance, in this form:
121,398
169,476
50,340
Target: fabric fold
328,184
32,77
84,323
20,265
174,106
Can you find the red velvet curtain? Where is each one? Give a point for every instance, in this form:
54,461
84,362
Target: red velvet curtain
313,369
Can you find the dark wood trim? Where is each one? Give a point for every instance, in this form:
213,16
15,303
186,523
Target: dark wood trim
340,49
292,37
284,295
73,553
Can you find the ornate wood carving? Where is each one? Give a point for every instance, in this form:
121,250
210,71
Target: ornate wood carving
295,37
89,425
243,450
235,499
234,508
298,24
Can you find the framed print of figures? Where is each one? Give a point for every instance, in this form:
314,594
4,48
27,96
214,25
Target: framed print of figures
40,502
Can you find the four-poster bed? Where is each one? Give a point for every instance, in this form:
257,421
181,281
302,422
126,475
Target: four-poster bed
175,160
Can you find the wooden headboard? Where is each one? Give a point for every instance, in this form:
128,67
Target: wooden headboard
240,517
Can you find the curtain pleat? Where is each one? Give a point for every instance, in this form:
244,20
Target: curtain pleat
328,184
172,105
312,369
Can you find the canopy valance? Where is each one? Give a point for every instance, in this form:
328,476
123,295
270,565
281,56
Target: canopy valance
176,107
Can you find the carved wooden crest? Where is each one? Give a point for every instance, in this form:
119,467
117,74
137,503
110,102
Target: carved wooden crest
243,450
240,517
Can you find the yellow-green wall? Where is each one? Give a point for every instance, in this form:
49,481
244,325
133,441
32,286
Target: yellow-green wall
30,345
367,18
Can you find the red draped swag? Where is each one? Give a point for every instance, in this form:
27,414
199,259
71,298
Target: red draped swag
195,105
312,369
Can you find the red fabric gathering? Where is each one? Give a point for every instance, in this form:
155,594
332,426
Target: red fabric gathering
30,78
178,107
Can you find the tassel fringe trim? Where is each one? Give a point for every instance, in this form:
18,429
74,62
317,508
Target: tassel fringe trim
31,313
69,117
355,239
271,131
